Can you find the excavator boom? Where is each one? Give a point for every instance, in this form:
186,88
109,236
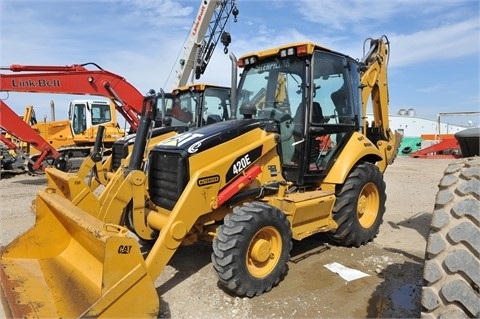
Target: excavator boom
14,125
76,79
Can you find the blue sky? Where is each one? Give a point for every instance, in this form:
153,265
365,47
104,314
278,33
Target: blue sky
434,60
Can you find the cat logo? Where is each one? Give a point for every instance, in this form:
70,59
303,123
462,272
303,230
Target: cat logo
208,180
180,139
124,249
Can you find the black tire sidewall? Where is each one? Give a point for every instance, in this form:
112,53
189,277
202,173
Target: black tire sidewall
350,232
263,215
264,221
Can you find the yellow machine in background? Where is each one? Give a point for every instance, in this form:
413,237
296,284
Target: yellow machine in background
188,107
304,161
72,138
75,136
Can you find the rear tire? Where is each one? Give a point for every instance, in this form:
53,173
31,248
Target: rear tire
251,251
452,263
359,206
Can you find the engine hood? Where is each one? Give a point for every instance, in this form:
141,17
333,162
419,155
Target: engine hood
205,137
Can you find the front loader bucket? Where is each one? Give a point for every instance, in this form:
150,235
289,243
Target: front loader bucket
72,265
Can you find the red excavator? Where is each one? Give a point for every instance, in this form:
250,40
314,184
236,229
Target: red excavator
73,79
12,123
76,79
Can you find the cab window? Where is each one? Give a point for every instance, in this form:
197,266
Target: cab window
101,114
216,105
330,90
79,118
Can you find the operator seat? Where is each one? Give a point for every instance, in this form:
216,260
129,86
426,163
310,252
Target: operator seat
213,118
298,126
339,99
298,121
248,110
317,113
317,117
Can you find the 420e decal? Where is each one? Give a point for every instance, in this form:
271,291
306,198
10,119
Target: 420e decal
242,162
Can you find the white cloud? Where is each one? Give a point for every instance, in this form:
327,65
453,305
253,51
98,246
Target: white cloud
445,42
431,89
164,12
339,15
443,29
351,14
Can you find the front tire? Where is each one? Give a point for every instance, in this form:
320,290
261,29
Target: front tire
360,206
251,251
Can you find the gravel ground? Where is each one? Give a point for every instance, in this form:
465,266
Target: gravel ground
394,261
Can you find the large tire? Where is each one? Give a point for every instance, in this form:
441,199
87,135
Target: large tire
251,251
359,206
452,263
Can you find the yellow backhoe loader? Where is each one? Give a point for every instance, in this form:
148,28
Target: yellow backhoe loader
302,160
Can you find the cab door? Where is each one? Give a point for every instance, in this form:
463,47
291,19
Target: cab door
328,114
78,117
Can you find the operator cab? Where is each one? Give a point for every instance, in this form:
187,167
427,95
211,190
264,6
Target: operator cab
314,98
84,114
200,104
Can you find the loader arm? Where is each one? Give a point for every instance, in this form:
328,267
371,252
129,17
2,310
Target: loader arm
75,79
174,225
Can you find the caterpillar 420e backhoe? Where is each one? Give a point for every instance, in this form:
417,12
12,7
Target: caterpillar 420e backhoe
303,160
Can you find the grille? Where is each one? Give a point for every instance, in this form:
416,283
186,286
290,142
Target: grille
167,178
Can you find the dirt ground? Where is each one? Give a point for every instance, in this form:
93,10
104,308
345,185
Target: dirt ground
394,261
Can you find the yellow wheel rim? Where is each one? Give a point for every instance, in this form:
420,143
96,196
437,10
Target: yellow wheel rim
264,252
368,205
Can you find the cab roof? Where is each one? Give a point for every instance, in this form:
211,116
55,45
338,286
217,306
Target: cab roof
198,87
307,47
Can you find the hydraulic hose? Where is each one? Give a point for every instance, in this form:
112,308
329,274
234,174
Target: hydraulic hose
96,155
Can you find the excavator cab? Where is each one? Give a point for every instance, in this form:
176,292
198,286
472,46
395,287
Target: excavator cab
316,101
83,114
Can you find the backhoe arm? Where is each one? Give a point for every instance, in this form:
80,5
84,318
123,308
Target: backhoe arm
375,86
374,82
75,79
